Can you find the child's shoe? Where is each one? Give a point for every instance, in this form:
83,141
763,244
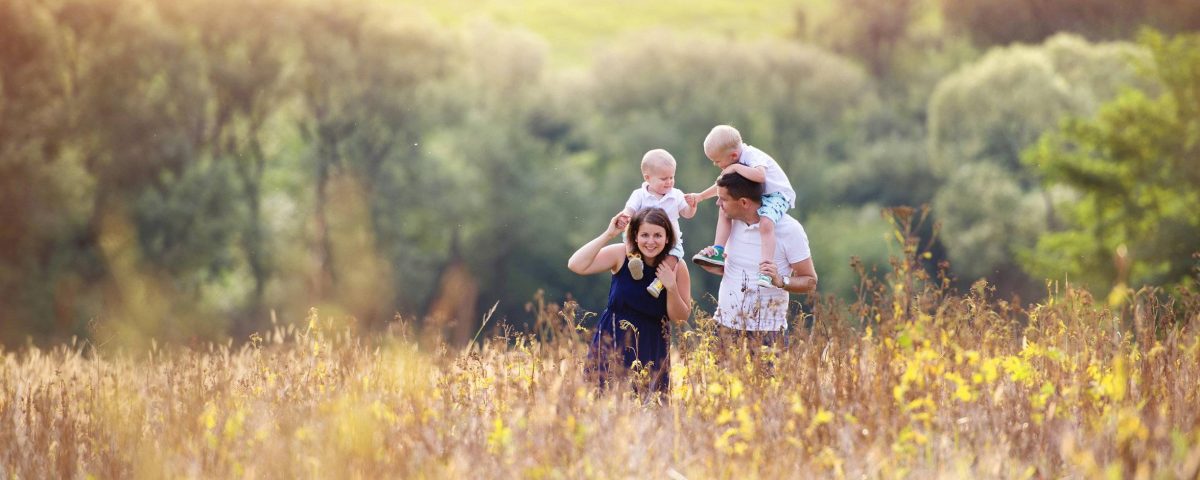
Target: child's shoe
764,280
655,289
717,259
636,266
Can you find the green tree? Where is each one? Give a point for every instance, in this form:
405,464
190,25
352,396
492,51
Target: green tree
114,130
243,58
367,84
515,190
987,113
43,181
1135,170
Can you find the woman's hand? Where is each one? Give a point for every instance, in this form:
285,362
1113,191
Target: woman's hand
666,275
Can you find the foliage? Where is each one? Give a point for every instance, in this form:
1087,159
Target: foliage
999,219
1133,168
1000,22
983,116
841,237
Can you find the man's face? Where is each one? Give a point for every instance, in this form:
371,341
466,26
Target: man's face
733,207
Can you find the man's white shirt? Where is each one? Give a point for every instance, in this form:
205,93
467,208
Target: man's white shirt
741,303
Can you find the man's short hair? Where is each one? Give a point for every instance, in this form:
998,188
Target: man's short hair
741,187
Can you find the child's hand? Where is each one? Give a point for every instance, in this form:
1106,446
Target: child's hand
729,169
692,199
618,224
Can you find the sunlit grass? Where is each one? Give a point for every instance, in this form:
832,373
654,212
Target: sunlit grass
911,380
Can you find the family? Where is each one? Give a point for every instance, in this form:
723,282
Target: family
760,252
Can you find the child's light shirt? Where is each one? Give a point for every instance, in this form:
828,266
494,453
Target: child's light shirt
777,180
672,203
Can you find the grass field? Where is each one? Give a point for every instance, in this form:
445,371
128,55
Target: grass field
574,30
909,381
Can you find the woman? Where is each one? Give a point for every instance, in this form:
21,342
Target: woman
635,325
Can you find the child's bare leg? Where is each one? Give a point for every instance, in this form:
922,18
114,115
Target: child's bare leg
723,227
715,255
766,228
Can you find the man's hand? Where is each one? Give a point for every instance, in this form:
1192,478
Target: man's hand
713,269
769,269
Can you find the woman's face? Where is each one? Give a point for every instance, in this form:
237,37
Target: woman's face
651,239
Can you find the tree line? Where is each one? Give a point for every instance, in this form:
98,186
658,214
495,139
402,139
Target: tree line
184,169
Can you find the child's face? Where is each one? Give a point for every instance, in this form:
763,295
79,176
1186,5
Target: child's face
722,159
661,180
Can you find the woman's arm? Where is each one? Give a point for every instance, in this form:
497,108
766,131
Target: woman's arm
594,256
678,284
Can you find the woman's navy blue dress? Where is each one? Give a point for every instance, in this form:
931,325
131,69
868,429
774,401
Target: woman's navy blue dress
645,338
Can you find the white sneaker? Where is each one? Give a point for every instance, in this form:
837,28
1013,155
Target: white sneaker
655,289
764,280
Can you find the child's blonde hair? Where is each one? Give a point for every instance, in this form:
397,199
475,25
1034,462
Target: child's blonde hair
721,139
656,159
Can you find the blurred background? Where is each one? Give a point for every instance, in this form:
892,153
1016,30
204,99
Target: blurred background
190,170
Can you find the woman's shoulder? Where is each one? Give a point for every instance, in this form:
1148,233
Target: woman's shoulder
615,255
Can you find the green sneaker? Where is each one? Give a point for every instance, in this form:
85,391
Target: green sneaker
655,289
716,259
636,267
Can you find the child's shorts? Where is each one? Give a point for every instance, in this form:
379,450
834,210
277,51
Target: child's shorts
774,206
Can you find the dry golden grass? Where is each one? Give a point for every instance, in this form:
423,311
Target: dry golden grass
909,381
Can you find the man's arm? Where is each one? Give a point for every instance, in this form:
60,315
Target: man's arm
802,280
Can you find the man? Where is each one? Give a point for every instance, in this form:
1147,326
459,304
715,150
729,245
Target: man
742,304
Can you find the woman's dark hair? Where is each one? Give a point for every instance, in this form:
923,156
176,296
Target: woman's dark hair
653,216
